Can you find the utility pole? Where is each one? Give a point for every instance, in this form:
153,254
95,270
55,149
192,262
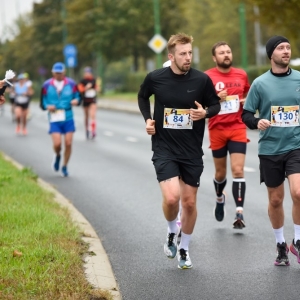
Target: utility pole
259,49
64,29
157,30
243,35
99,59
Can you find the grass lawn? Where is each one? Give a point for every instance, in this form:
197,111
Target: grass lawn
40,247
120,96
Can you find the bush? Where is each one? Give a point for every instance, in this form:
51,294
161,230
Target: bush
133,81
255,71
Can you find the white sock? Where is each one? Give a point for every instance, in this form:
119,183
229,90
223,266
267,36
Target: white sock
279,235
297,232
185,241
172,226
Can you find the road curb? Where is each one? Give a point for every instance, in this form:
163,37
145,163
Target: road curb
98,270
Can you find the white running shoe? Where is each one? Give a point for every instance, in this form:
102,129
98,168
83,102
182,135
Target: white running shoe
184,260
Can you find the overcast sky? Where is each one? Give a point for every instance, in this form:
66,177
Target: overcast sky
11,9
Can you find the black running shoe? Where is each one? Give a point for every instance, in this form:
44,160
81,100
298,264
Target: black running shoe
220,210
282,255
239,222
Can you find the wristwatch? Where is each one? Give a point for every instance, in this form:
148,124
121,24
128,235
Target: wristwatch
206,112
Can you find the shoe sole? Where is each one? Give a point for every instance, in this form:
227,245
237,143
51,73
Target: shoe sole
63,175
282,264
292,248
184,268
238,224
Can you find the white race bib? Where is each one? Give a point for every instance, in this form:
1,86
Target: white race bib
285,116
58,116
91,93
21,99
230,105
177,118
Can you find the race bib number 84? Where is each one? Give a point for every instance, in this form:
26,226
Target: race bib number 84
176,118
285,116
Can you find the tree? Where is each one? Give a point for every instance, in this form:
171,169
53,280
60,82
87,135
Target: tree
120,28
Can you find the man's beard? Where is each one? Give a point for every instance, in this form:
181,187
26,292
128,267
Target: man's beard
224,65
281,63
183,69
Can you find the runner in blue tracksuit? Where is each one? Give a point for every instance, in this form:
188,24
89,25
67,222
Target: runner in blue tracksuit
58,96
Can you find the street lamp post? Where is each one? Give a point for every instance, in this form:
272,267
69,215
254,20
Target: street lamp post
99,60
243,35
64,29
157,30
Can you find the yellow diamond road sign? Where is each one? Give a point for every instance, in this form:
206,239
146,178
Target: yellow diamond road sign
157,43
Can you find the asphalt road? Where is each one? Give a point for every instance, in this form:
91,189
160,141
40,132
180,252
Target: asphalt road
112,183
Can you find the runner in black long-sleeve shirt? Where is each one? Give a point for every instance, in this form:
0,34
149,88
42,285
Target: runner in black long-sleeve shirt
184,97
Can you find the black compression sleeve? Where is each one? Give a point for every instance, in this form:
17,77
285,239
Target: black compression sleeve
249,119
145,108
213,110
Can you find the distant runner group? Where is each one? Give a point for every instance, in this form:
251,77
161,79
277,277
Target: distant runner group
58,95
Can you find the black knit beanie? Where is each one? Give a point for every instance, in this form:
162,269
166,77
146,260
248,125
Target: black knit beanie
273,42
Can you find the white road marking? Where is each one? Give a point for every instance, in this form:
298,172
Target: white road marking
248,169
108,133
131,139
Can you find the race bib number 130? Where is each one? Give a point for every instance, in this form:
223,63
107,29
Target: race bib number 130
285,116
176,118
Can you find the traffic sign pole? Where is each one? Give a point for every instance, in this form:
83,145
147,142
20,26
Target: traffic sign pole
157,31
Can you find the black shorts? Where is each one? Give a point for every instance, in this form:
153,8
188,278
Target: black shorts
189,170
275,168
87,102
22,105
231,147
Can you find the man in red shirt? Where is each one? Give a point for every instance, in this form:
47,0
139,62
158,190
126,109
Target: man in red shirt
227,132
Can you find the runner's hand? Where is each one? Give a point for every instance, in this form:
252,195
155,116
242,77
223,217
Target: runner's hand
2,99
223,95
74,102
2,82
263,124
51,108
88,86
199,113
150,126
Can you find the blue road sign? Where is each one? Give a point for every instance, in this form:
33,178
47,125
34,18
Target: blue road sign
70,53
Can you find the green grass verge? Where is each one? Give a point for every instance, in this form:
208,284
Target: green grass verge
120,96
40,247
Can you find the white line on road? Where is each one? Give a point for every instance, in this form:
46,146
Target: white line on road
108,133
248,169
131,139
